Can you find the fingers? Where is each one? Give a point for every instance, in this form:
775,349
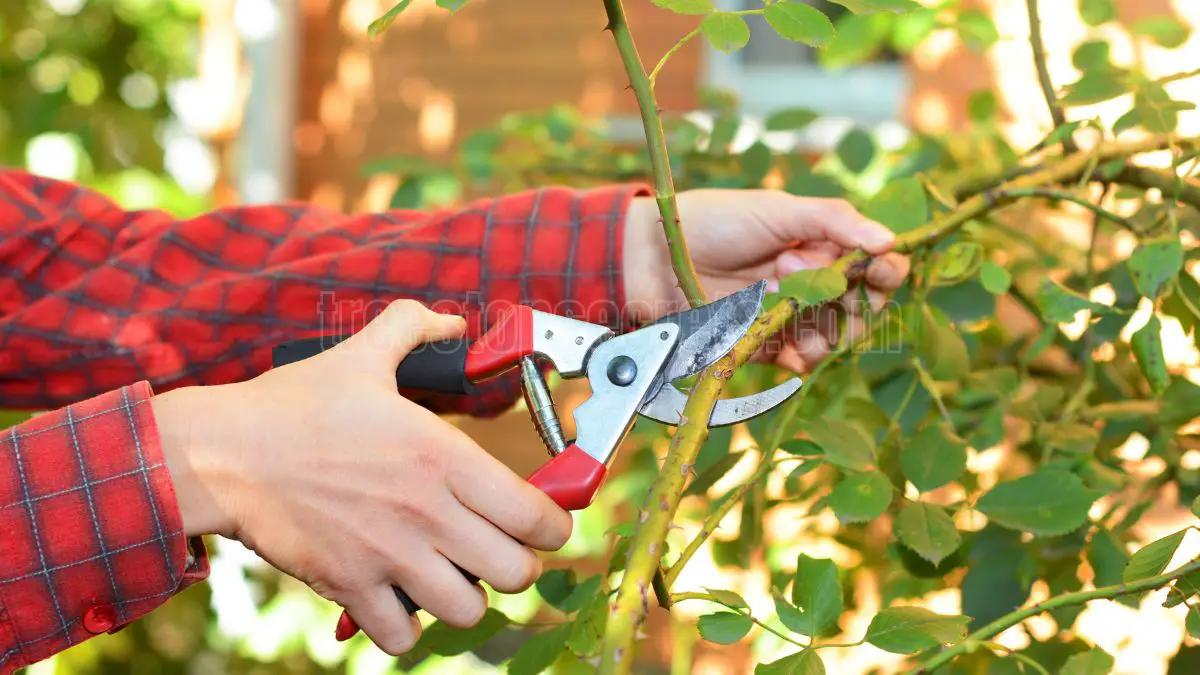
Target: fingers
493,491
381,616
480,548
836,220
440,589
399,328
888,271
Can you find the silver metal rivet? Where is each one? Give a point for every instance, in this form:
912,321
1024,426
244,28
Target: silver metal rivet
622,371
549,334
664,335
579,340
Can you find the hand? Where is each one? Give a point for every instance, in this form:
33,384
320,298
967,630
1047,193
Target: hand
737,237
333,477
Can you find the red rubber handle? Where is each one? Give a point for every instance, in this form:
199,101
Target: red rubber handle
571,479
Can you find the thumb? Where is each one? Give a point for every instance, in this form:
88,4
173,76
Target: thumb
400,328
817,219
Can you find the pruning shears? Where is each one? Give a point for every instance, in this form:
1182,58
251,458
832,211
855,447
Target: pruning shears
629,374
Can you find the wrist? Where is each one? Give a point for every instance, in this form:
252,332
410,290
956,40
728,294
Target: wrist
199,464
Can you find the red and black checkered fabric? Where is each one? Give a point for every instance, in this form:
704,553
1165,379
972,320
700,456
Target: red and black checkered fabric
105,304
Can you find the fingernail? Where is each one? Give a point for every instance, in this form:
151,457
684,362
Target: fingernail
791,262
879,236
772,285
346,628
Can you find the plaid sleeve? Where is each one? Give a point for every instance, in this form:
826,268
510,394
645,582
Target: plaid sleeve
93,297
92,534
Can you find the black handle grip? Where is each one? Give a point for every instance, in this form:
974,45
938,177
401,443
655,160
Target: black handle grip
436,366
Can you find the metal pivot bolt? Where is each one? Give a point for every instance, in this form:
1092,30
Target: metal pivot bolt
622,371
541,406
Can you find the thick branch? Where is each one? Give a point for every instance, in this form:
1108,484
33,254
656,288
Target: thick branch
646,549
1065,600
1043,73
656,143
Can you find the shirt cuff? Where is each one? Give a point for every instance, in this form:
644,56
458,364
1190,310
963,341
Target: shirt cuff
93,534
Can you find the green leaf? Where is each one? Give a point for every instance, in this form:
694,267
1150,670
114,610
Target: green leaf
686,6
1196,506
857,39
1107,557
941,348
913,28
724,628
1096,86
540,651
587,630
1154,263
790,616
756,163
727,32
807,662
802,447
981,105
856,149
994,278
384,22
976,30
1095,661
907,630
934,457
1152,558
583,592
1059,304
1092,54
727,597
713,474
799,22
1047,502
873,6
813,287
928,530
959,261
901,205
1148,350
1163,30
861,497
817,594
446,640
1096,12
1192,622
791,119
556,585
452,5
842,444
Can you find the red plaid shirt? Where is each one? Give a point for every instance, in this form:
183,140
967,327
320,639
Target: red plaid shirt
103,304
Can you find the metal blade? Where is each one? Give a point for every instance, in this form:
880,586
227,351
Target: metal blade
707,333
667,405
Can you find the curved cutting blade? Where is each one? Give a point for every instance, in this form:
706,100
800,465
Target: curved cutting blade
667,405
707,333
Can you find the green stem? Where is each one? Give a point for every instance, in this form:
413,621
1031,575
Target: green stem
1061,195
1039,61
664,185
1018,656
671,52
1065,600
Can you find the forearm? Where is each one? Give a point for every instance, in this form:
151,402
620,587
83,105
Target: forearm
90,306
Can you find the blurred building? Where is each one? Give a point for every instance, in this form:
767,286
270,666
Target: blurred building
325,98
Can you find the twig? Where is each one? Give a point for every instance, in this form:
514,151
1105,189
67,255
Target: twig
1065,600
671,52
1060,195
1039,61
664,185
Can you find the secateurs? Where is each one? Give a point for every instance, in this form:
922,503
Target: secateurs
629,374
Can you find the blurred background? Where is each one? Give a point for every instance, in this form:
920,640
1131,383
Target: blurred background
186,105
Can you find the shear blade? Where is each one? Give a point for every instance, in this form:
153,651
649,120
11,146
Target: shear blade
667,405
707,333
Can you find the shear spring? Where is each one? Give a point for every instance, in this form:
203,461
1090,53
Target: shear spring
541,406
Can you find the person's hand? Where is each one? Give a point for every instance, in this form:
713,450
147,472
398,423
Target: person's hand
333,477
737,237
